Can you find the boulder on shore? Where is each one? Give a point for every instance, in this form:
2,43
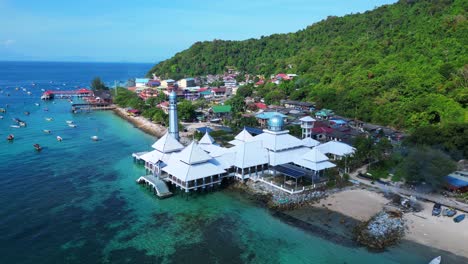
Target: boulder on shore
384,229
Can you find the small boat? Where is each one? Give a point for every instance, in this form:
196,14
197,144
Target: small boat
37,104
449,212
95,138
29,93
49,118
22,123
59,139
1,117
26,113
46,131
71,125
2,110
10,137
459,218
436,260
69,122
15,126
437,209
37,147
43,90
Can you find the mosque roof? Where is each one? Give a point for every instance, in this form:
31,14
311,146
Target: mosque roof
310,142
206,139
167,143
336,148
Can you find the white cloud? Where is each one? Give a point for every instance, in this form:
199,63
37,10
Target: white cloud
8,42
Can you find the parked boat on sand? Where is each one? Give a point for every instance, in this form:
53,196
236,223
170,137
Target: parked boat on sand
459,218
436,260
449,212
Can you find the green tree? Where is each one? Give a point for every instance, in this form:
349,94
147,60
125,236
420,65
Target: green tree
185,110
424,164
98,85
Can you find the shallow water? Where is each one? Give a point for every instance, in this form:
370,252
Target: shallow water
77,201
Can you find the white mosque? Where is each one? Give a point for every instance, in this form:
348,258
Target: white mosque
205,164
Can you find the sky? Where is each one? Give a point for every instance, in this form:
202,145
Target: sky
149,30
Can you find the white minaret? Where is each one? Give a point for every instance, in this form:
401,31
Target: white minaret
307,123
173,124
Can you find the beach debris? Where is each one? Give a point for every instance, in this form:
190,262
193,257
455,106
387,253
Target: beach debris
386,228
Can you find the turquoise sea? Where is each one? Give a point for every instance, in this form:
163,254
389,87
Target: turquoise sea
77,201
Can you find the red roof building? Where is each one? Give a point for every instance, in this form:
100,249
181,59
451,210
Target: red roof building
261,105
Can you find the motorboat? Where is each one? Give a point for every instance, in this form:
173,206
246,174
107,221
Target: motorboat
59,139
71,125
49,119
69,122
10,137
26,113
436,260
46,131
37,104
459,218
22,123
37,147
1,117
15,126
95,138
437,209
449,212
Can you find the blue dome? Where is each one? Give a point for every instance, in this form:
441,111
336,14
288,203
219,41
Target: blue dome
275,123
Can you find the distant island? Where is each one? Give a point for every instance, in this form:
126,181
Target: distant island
402,65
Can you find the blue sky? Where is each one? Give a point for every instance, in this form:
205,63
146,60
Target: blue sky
149,31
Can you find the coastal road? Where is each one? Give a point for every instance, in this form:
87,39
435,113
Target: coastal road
433,197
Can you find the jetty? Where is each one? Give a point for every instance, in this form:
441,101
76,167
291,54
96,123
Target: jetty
49,95
86,107
158,186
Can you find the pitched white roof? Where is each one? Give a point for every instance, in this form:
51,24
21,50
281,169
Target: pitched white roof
316,166
210,148
307,119
226,160
243,136
286,156
336,148
278,141
221,151
249,154
186,172
193,154
167,144
155,156
310,142
315,155
206,139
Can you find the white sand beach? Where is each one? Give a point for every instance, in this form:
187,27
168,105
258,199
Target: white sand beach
423,228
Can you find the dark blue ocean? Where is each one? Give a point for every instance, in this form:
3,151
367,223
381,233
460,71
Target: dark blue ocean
77,201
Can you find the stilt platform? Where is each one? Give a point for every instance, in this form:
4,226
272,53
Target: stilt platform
158,185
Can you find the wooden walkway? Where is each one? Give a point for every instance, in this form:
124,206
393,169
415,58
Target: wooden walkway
92,106
156,184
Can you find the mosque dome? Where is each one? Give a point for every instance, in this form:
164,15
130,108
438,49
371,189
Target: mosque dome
275,123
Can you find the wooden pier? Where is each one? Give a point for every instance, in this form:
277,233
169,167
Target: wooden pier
86,107
157,185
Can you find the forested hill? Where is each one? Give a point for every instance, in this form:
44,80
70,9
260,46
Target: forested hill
404,65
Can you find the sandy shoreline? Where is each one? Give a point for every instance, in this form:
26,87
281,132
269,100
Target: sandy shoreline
149,127
422,228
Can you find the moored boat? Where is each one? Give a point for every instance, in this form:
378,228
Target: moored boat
71,125
15,126
59,139
37,147
449,212
436,260
10,137
49,119
95,138
22,123
46,131
459,218
69,122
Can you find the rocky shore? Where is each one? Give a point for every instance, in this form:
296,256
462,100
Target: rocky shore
385,229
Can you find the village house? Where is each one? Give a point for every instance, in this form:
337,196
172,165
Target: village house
186,82
167,83
298,105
